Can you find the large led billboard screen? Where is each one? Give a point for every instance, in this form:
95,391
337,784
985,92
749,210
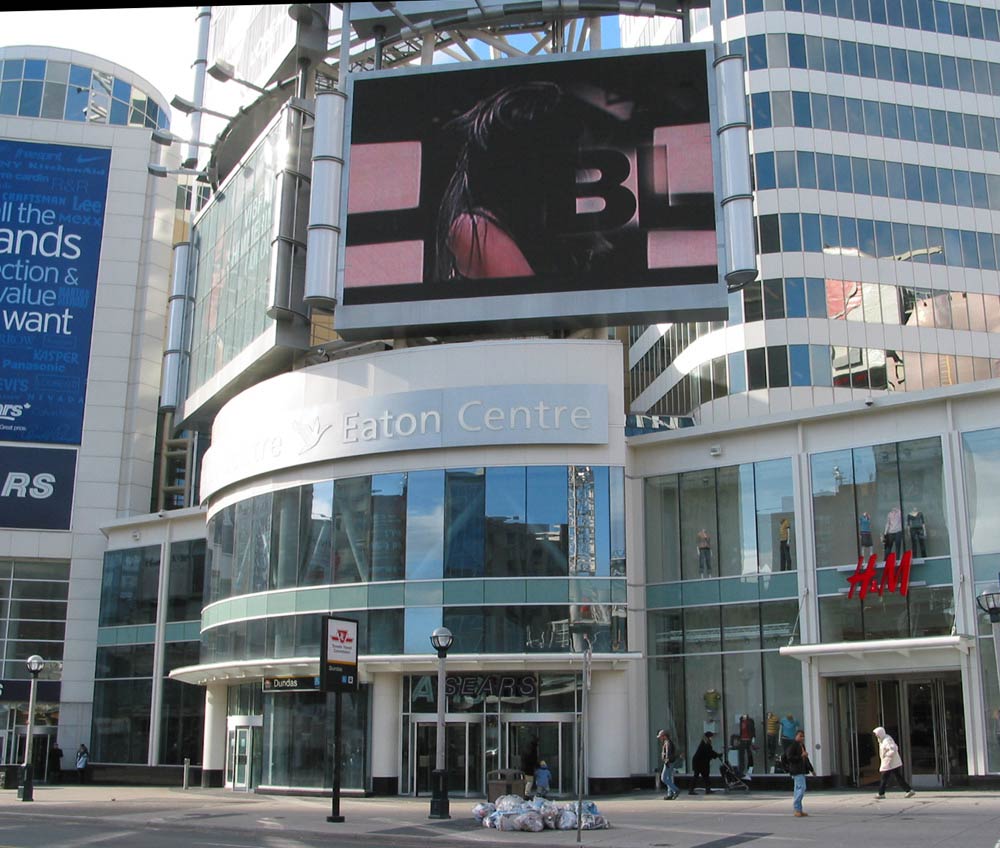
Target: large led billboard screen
532,194
52,205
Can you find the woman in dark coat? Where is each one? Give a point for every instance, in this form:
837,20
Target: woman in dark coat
702,761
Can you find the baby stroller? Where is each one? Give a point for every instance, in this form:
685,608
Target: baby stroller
730,778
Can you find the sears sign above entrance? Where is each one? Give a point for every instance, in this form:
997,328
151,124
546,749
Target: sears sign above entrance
528,414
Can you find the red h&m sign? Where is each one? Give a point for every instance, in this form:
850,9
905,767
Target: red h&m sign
865,578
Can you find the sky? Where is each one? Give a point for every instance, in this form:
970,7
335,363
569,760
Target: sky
158,43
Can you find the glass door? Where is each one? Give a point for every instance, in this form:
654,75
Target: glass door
463,756
39,753
527,741
861,706
935,731
241,759
925,754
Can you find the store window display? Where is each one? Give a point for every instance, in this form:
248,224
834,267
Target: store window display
716,523
917,526
893,538
855,487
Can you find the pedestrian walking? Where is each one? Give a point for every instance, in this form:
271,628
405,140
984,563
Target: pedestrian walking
798,766
82,759
543,780
701,762
668,756
890,763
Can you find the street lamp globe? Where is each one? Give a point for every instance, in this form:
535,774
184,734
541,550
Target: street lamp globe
989,602
35,664
442,640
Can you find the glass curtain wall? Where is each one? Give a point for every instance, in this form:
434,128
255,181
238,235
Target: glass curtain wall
123,678
715,666
718,668
720,522
981,461
491,534
875,500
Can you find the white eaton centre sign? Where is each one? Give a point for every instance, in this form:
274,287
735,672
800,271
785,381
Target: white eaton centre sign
247,443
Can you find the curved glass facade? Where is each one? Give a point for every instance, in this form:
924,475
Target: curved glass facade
69,91
508,558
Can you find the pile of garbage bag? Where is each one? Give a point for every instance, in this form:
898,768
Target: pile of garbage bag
512,812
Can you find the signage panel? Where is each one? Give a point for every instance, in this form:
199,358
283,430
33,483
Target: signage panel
522,414
291,684
52,205
545,192
339,662
36,487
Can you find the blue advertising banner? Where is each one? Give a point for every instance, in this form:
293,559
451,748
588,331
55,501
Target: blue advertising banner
52,204
36,487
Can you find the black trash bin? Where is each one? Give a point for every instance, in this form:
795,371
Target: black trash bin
504,782
9,777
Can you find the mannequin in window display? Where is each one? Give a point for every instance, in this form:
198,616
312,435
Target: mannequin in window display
786,554
772,725
618,627
894,532
918,532
865,534
712,699
704,553
745,739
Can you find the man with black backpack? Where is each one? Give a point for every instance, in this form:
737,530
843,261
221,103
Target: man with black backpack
796,763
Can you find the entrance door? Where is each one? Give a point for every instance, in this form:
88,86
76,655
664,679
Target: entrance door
39,753
463,757
552,741
923,715
241,754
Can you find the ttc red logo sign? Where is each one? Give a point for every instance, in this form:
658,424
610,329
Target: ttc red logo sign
865,578
342,636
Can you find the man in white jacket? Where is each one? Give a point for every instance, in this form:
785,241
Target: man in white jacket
890,763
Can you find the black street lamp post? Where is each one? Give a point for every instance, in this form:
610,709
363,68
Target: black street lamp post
441,639
35,665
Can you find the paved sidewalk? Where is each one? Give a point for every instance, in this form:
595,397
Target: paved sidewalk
837,819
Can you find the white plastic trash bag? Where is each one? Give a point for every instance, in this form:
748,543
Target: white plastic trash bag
507,822
594,822
550,815
530,822
481,811
509,803
567,820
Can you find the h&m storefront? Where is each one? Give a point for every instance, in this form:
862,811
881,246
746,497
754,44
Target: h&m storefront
782,630
399,490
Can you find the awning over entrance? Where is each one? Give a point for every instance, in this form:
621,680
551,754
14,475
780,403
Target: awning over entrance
237,671
883,655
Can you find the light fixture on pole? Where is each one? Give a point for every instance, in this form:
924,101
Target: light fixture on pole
224,72
442,640
166,138
209,175
35,665
181,104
